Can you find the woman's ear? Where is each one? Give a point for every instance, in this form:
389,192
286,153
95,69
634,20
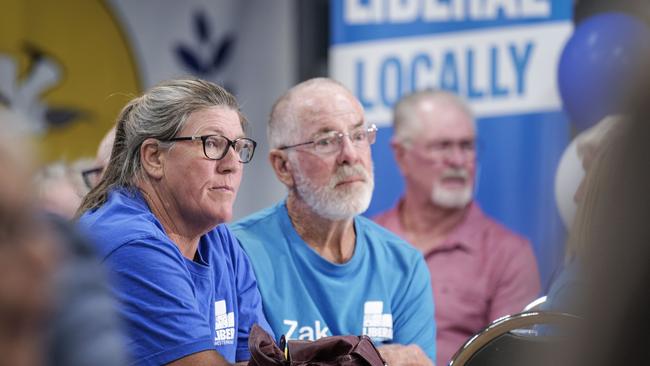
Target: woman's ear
282,167
152,158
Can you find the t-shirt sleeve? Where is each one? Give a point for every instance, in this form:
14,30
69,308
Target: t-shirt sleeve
249,300
158,302
414,321
518,282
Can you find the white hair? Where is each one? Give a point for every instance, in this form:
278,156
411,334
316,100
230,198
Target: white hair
407,125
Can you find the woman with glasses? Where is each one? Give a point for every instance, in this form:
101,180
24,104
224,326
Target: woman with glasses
186,289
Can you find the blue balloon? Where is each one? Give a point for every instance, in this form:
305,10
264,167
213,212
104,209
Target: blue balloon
599,63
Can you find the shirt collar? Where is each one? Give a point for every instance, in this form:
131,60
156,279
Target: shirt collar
463,236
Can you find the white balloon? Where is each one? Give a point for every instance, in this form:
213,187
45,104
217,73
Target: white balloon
568,176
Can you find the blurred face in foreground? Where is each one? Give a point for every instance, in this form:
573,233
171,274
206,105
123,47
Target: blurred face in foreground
28,258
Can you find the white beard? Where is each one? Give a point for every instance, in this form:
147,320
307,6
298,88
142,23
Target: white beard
337,204
452,198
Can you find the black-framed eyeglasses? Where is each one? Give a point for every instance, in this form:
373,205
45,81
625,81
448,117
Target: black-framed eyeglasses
91,176
215,147
332,141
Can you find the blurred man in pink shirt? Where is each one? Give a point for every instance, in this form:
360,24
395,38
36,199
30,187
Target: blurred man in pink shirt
480,270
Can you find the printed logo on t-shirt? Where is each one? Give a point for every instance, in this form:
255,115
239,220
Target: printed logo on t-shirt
224,324
376,324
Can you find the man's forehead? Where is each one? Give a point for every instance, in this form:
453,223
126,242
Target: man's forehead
334,121
329,111
439,104
445,116
328,100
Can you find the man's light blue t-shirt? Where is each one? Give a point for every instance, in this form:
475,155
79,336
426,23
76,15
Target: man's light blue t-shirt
383,291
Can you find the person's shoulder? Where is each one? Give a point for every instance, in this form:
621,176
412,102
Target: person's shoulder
387,250
379,237
260,235
497,233
223,239
122,219
264,216
258,223
261,230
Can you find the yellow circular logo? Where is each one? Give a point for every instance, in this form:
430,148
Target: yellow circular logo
65,66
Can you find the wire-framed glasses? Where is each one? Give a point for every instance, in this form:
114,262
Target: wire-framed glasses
332,141
215,147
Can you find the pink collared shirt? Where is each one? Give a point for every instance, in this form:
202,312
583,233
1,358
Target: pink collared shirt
481,272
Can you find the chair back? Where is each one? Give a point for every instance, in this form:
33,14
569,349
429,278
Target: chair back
528,338
536,304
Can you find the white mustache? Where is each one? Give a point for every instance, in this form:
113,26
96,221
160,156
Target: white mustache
347,171
455,173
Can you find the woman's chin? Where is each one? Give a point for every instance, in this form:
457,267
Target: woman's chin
222,217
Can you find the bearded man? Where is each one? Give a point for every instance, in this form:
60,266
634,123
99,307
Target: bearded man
322,269
479,269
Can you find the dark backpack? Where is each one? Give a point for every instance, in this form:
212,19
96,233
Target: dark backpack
328,351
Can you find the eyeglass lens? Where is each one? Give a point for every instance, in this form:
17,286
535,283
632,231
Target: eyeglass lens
216,147
333,141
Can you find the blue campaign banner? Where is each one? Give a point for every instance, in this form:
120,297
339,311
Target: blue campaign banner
501,57
367,20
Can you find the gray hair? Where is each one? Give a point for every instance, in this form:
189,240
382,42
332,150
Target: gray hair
407,125
283,126
160,113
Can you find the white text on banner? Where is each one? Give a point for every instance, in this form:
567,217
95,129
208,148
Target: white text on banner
501,72
404,11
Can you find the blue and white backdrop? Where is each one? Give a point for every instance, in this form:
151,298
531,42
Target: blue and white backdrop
70,66
501,56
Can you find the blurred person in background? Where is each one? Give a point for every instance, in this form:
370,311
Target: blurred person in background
186,290
57,189
77,168
323,269
565,287
93,173
480,270
611,237
61,185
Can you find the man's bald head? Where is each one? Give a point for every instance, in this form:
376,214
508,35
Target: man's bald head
302,102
